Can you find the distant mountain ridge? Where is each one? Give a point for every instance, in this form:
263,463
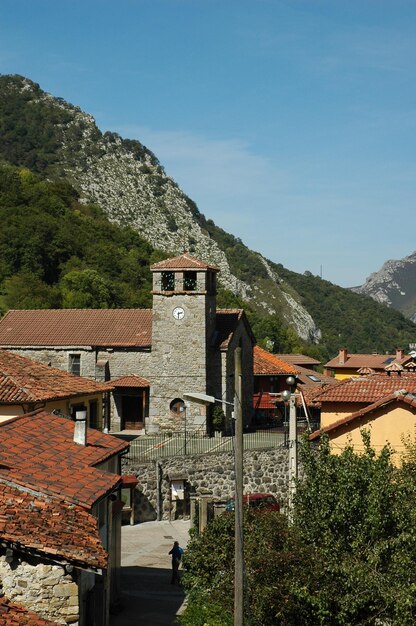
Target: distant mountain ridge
394,285
60,142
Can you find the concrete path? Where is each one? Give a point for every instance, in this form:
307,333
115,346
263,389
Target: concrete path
148,597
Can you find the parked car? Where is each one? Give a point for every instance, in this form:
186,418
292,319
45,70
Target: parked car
258,501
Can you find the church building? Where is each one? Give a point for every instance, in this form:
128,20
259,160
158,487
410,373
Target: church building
151,358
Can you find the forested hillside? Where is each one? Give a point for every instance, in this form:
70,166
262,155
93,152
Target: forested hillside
83,231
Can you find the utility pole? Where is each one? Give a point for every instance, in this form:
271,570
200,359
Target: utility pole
289,396
293,451
239,542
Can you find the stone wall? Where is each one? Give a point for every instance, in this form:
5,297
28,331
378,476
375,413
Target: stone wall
42,588
265,471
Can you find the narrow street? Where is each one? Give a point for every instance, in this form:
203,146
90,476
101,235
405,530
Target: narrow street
148,597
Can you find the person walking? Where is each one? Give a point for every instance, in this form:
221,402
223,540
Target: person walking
176,553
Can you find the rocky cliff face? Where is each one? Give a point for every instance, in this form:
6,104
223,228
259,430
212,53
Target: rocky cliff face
128,182
394,285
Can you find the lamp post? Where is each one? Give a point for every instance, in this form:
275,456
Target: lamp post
238,485
289,396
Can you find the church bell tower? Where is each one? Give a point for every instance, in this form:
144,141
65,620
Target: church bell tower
183,331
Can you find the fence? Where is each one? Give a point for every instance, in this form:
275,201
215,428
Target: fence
178,443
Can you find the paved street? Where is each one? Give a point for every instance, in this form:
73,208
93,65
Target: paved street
148,597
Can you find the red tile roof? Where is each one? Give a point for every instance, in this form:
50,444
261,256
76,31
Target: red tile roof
265,400
95,327
58,530
129,381
310,378
25,380
15,615
398,398
374,361
37,450
77,327
268,364
298,359
183,262
367,389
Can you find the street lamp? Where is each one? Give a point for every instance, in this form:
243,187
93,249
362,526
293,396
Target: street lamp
238,496
289,396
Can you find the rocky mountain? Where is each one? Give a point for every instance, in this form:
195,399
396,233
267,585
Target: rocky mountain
394,285
128,182
59,141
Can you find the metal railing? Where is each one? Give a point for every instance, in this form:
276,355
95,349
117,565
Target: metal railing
178,443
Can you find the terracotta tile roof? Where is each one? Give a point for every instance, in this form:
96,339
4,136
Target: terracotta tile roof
61,531
374,361
367,389
133,380
77,327
25,380
183,262
268,364
399,398
298,359
15,615
311,378
37,450
265,400
96,327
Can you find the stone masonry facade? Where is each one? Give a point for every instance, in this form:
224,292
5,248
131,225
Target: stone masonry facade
43,588
265,471
186,353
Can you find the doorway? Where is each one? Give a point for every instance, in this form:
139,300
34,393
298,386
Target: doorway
132,412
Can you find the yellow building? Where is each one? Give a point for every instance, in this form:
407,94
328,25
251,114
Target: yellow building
390,420
346,365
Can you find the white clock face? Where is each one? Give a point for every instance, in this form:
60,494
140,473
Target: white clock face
178,313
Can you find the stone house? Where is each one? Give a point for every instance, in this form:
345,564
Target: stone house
153,357
48,551
50,456
26,385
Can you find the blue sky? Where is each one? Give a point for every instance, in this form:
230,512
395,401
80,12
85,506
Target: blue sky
291,123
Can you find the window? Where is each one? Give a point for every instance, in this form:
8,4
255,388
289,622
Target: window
75,364
314,378
93,414
75,408
168,281
189,281
177,406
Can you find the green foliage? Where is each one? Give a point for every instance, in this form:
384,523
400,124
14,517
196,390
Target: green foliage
346,560
350,319
56,252
218,419
272,557
84,289
357,512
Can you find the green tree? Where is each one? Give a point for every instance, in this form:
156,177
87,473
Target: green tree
357,512
274,558
27,291
85,289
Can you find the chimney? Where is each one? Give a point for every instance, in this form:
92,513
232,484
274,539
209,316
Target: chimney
343,356
399,354
80,430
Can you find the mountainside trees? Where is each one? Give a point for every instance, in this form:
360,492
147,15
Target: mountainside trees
56,252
